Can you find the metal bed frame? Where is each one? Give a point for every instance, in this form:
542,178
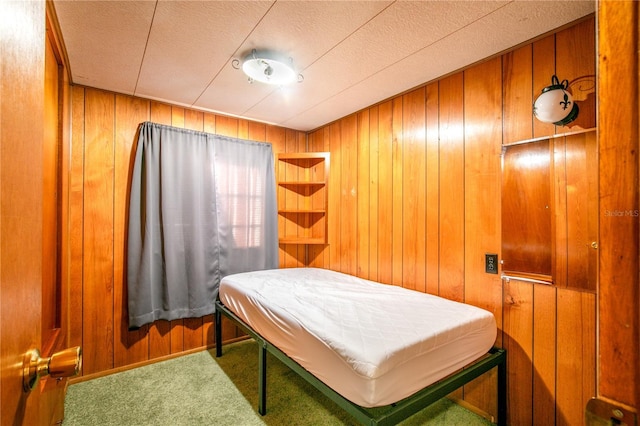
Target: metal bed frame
398,411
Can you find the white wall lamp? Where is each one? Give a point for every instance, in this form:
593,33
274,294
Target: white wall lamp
268,67
555,105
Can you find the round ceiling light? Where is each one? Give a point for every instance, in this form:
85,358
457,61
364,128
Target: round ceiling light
270,68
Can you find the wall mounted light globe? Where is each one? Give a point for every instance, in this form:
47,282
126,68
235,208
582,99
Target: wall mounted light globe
270,68
555,104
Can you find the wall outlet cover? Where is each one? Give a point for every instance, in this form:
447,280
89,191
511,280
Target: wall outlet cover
491,263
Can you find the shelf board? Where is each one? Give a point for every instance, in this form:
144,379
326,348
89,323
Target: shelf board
542,138
301,240
528,277
303,155
301,183
315,211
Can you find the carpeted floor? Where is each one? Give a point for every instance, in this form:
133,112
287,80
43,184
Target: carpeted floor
199,389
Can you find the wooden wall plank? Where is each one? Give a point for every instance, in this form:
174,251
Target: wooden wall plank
324,143
451,187
588,338
129,346
243,129
318,254
318,172
576,355
581,208
194,120
482,175
209,123
517,94
576,62
332,135
76,217
397,150
277,136
432,250
559,222
591,146
98,297
300,143
518,341
414,186
544,354
227,126
363,238
160,113
315,252
288,223
348,190
544,66
385,192
256,131
374,185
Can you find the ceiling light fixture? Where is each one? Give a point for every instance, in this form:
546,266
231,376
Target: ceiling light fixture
555,105
268,67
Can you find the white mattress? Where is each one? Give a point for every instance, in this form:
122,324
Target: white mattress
373,343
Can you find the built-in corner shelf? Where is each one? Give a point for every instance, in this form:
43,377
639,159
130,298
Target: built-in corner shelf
303,181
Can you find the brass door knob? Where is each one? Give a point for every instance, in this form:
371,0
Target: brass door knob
65,363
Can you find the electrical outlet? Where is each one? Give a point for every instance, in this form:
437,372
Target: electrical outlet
491,263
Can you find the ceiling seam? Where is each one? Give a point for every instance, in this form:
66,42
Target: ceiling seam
146,44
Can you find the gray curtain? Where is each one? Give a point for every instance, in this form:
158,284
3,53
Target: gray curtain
202,206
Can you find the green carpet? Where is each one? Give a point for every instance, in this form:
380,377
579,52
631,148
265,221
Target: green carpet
199,389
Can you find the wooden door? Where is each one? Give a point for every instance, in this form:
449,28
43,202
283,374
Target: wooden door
30,296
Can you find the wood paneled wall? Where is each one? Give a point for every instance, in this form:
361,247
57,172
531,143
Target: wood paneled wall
414,200
104,133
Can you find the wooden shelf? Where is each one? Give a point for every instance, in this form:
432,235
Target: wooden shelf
302,183
302,197
556,135
302,240
317,156
302,211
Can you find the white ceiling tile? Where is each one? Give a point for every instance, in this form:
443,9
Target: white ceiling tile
105,41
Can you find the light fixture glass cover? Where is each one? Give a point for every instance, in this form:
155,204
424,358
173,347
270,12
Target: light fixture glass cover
555,105
269,67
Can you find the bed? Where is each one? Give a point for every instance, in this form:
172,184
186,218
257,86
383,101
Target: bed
363,344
